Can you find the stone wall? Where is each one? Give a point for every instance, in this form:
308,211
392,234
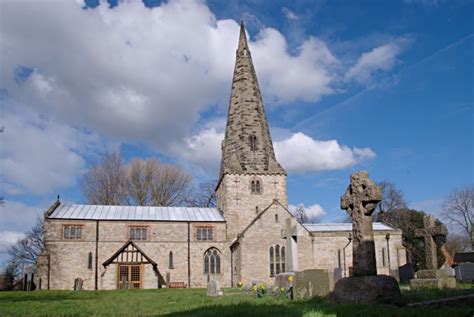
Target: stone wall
240,206
69,258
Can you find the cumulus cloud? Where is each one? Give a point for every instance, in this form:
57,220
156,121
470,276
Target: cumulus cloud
134,73
301,153
312,212
381,58
297,152
8,238
38,155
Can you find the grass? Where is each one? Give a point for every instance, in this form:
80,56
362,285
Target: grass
194,302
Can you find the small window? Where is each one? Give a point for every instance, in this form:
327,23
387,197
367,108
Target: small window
72,232
339,259
276,217
256,209
204,233
138,233
89,261
170,261
253,143
255,187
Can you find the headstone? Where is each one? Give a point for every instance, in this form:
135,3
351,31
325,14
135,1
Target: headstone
213,288
406,273
78,284
312,283
365,287
282,280
428,233
465,272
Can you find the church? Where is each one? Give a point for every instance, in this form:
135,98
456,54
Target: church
250,237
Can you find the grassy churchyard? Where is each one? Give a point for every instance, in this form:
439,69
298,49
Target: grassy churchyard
195,302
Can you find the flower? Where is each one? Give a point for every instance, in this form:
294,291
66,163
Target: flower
240,284
291,278
262,286
254,288
282,289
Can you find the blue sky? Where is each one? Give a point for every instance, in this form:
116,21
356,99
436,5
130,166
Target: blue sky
383,86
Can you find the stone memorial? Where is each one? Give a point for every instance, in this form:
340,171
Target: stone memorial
306,284
213,288
431,277
365,286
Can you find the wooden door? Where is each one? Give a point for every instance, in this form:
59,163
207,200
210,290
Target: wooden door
129,276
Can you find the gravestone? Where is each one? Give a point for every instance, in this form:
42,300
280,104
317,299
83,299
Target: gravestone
365,286
306,284
406,273
465,272
213,288
432,277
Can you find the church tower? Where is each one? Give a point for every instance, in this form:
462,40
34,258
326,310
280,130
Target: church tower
250,177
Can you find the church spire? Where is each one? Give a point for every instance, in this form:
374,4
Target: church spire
247,147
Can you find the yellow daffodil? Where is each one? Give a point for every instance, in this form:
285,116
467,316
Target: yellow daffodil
291,278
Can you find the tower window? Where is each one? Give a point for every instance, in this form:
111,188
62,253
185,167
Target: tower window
256,187
276,217
253,143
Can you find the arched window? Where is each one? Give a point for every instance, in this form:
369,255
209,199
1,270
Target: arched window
212,261
256,187
277,260
253,143
170,261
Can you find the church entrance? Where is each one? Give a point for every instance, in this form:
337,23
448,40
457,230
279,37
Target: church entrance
129,276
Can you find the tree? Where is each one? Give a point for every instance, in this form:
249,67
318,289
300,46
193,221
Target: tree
105,182
458,210
408,220
25,251
456,243
204,195
142,182
300,214
10,273
392,197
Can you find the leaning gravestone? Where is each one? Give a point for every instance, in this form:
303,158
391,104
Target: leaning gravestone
365,286
213,288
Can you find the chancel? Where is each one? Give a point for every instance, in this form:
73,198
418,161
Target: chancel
250,236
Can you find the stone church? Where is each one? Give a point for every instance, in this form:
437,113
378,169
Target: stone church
250,237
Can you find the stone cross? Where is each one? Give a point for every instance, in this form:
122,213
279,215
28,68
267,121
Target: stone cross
360,199
428,233
290,234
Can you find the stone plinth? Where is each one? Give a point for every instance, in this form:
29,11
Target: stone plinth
433,279
379,289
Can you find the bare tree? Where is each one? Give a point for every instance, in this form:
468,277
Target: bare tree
105,183
153,183
204,195
170,186
26,250
392,197
456,243
458,210
300,214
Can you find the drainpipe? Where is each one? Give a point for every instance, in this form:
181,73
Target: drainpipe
387,237
189,254
231,268
96,255
344,252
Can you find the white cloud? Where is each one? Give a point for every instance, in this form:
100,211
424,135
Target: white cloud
297,153
301,153
381,58
38,155
8,238
290,15
135,73
312,212
17,216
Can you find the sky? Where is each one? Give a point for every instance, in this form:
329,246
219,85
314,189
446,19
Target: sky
382,86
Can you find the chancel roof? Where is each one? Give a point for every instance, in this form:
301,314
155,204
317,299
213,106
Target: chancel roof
328,227
100,212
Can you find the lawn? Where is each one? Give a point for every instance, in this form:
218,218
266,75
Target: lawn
194,302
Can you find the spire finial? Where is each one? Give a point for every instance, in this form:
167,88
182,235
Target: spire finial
242,38
58,197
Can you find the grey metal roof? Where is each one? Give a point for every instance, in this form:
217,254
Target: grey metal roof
99,212
327,227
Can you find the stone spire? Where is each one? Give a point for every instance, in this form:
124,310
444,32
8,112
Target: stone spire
247,147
